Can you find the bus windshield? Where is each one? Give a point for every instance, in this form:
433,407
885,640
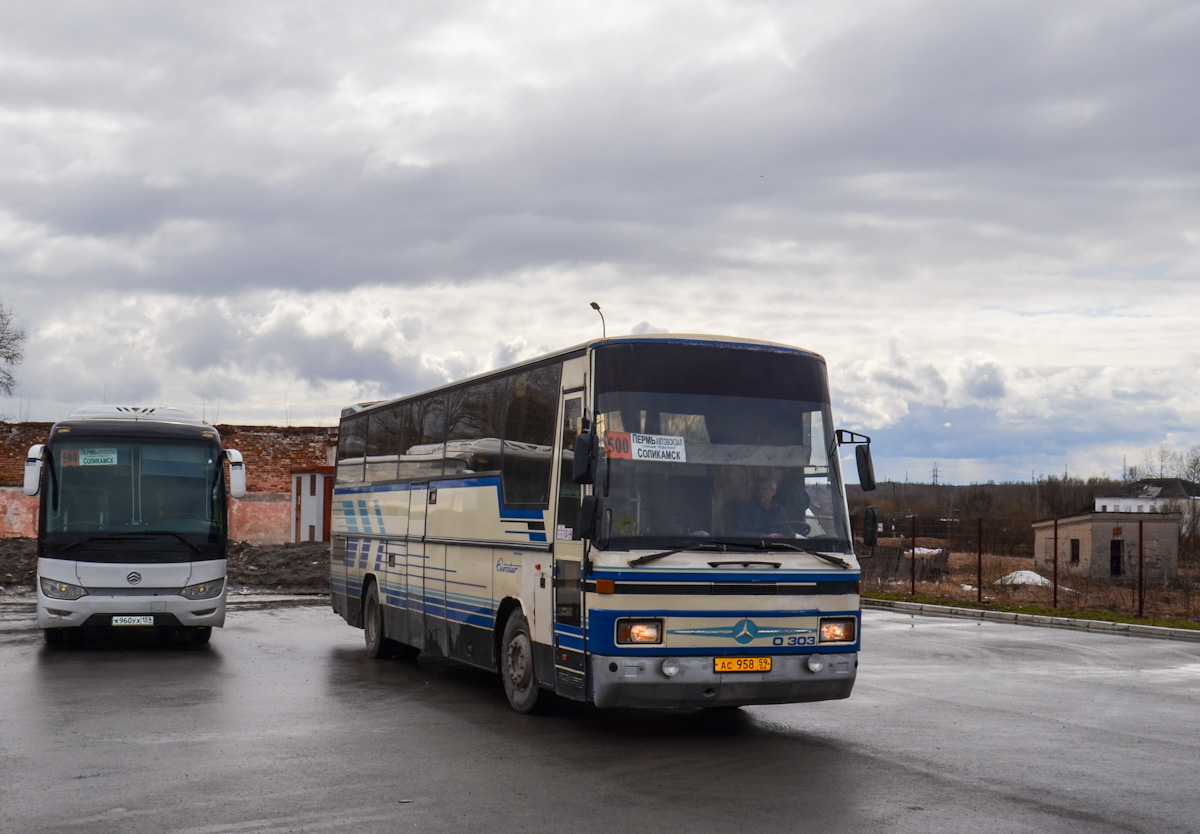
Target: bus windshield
716,444
100,487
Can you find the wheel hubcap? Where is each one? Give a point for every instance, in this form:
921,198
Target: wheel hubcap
518,660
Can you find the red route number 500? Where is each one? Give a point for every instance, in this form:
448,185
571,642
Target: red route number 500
618,445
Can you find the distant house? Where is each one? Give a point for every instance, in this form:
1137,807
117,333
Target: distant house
1154,495
1109,543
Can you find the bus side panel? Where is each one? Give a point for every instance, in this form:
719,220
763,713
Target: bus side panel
395,598
470,613
415,571
337,573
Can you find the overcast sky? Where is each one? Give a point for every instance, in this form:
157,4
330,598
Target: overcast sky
985,215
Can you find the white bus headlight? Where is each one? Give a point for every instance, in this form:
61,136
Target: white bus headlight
639,631
837,631
204,590
61,590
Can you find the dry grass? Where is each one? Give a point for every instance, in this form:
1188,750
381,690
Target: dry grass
1074,591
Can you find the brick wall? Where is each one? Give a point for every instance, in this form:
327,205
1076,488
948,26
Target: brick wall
271,453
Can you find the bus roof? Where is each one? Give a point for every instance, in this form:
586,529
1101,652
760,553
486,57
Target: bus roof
158,413
163,421
677,338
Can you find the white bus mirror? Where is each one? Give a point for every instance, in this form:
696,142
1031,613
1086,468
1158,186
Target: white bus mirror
33,469
237,473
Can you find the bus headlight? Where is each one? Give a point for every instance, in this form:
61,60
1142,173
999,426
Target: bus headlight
837,631
639,631
60,590
204,590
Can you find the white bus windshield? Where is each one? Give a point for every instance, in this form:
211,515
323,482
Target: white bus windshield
716,444
100,488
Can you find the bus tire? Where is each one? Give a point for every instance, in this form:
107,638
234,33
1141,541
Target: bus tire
201,635
378,646
516,667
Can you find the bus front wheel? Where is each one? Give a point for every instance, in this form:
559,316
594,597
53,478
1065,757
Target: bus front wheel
516,667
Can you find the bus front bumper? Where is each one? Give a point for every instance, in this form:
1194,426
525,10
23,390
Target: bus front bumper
640,682
94,610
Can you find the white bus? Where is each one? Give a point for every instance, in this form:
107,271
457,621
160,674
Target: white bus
132,522
584,524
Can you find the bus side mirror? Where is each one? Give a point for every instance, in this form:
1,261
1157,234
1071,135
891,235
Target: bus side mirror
587,517
33,469
237,473
871,527
866,467
583,467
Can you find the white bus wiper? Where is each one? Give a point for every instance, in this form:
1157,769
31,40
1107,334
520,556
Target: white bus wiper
654,557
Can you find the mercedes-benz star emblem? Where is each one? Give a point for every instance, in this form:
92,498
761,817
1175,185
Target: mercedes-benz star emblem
133,577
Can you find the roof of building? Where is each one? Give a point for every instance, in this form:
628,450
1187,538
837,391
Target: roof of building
1151,488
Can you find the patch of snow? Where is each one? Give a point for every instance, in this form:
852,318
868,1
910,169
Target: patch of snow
1023,577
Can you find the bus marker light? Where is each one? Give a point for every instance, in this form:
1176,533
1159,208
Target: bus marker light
606,586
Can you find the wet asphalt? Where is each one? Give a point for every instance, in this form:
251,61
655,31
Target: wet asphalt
283,724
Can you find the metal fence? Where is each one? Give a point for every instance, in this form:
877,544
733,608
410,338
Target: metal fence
991,559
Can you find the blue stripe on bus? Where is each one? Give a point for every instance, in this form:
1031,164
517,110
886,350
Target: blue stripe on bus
358,518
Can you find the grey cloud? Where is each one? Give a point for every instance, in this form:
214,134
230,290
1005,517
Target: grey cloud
983,380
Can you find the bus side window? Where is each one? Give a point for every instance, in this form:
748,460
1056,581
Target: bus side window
529,426
383,442
352,449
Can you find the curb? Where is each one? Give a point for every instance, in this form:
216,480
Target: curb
1099,626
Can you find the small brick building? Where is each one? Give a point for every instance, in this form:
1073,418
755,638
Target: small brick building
1105,545
265,516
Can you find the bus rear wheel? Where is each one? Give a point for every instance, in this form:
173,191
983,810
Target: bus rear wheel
378,646
517,669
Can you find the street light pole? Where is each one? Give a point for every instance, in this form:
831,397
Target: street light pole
603,327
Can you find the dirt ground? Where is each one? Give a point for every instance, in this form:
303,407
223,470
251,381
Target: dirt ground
286,568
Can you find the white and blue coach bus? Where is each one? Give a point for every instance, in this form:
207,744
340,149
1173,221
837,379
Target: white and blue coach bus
132,522
651,521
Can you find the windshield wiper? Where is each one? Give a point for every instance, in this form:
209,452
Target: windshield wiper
194,548
654,557
130,536
828,557
110,537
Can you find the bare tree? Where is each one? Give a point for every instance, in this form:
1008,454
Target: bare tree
1164,460
1190,468
12,338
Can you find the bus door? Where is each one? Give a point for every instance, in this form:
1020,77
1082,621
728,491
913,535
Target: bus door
570,657
414,606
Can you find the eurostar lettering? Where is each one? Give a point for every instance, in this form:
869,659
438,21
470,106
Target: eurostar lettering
506,567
